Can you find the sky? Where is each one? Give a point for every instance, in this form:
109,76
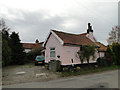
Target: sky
33,19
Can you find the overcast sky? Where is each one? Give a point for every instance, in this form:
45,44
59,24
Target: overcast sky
33,19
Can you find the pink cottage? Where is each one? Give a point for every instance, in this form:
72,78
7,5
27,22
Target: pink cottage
64,46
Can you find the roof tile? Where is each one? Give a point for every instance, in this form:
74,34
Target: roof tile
76,39
102,47
31,45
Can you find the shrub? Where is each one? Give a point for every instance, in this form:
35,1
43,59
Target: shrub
113,54
102,62
86,52
32,54
116,53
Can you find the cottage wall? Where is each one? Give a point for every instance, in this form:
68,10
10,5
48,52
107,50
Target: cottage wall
69,53
66,53
52,43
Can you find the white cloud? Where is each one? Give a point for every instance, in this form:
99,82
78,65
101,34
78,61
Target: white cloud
34,18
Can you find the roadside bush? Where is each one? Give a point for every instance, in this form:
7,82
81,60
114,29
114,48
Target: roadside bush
109,56
101,62
116,53
113,54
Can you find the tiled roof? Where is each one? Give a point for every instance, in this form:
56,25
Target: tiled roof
31,45
74,39
84,34
102,47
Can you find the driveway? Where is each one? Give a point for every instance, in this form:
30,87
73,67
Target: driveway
26,73
108,79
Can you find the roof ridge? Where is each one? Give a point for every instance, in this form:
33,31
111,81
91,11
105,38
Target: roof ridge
101,43
68,33
77,39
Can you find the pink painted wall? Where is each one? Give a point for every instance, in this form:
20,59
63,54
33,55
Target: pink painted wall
70,52
52,43
66,52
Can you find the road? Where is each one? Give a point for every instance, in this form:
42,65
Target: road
108,79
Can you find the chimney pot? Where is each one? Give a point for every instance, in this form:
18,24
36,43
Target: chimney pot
88,24
89,28
36,41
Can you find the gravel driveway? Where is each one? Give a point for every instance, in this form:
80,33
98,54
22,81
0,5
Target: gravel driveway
29,73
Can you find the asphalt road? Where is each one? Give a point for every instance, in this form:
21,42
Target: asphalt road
108,79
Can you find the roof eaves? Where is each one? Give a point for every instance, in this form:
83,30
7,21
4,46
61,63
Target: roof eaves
60,40
69,44
46,39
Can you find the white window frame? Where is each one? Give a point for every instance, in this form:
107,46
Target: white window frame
52,51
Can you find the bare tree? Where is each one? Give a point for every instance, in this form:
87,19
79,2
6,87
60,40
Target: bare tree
114,35
2,24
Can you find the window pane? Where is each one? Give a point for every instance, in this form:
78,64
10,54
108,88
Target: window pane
52,53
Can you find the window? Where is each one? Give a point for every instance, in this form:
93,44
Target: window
52,52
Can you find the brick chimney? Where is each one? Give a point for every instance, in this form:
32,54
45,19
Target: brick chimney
89,28
90,33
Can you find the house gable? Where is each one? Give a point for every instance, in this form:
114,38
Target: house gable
55,35
52,42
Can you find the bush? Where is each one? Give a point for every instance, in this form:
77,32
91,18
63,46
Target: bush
102,61
116,53
113,54
32,55
18,54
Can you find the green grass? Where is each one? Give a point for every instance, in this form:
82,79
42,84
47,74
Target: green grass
89,71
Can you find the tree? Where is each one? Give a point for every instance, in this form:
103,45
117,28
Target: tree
17,49
80,55
109,55
12,49
6,50
114,35
6,53
116,53
32,54
113,54
86,52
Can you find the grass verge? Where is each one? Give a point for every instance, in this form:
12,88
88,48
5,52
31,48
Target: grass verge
89,71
